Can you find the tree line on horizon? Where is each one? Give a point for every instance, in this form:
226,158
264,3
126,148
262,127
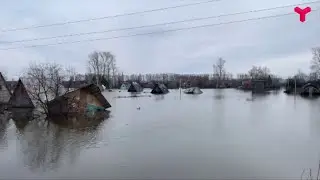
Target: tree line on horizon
44,81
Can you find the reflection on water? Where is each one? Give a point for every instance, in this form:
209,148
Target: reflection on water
158,97
218,94
219,134
4,118
47,145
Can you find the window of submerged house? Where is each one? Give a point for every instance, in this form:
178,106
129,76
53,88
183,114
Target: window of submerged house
0,87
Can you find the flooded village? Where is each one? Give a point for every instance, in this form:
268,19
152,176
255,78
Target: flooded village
62,124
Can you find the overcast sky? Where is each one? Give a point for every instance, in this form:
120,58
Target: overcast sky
283,43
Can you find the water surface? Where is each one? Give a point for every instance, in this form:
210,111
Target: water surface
218,134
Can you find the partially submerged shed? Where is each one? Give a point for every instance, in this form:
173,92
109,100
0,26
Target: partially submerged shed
159,89
85,99
135,87
125,86
193,90
259,86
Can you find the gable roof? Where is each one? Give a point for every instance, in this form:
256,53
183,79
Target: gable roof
20,97
5,83
135,87
159,89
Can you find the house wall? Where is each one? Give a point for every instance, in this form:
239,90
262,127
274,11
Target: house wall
4,93
258,86
90,99
76,103
64,106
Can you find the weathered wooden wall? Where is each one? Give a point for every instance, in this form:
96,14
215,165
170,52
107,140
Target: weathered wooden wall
4,92
91,99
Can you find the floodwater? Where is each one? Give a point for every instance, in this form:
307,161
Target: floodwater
218,134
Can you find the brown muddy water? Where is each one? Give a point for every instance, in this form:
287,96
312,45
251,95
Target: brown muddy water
218,134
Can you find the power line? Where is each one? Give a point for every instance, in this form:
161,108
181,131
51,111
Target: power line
160,32
107,17
138,27
153,25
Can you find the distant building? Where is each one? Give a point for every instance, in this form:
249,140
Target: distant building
135,87
125,86
258,86
159,89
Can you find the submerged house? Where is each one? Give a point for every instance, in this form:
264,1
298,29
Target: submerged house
20,97
310,89
5,93
85,99
193,90
125,86
293,86
159,89
20,103
258,86
135,87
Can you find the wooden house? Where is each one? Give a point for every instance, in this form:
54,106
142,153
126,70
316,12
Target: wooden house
20,97
258,86
159,89
135,87
262,85
5,94
85,99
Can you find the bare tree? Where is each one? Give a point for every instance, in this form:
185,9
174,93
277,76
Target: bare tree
219,70
315,62
44,82
257,72
102,64
301,76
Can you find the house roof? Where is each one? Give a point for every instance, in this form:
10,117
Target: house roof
20,88
93,89
5,83
161,87
135,87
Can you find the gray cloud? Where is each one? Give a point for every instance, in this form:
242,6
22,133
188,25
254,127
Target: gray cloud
281,43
